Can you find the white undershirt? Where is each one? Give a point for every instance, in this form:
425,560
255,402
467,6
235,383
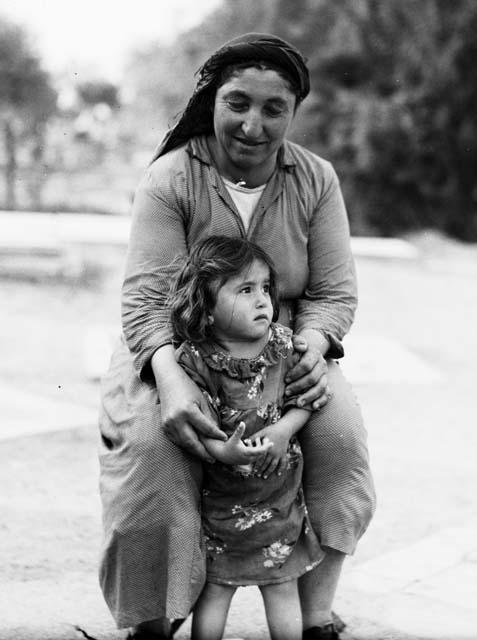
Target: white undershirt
244,199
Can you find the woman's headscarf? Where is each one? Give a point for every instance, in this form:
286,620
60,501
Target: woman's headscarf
197,117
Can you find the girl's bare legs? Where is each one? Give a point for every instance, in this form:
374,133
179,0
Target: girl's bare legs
210,612
318,588
282,606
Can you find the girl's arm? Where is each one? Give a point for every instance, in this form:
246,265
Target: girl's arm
235,450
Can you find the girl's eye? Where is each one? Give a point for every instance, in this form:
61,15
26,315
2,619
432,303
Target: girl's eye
266,288
246,289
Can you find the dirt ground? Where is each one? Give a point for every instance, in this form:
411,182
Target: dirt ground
421,435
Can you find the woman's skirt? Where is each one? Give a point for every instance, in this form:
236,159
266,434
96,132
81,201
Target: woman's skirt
153,560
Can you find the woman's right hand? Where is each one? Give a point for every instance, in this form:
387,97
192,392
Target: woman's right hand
184,409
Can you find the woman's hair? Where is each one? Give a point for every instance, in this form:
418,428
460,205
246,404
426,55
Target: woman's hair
249,50
209,265
229,71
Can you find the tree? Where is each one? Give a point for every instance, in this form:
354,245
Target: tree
392,105
27,100
394,108
98,92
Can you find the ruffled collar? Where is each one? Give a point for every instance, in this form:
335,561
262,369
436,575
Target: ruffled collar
278,346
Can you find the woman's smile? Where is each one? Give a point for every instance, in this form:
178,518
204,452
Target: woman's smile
252,113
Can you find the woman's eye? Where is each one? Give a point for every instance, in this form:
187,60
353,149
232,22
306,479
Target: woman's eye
273,111
237,105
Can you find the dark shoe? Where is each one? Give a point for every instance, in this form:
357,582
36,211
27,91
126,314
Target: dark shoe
143,634
327,632
338,622
147,635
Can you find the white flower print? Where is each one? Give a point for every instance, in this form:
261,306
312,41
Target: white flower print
256,386
215,546
250,516
276,553
194,350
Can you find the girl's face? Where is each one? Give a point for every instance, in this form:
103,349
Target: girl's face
243,309
252,113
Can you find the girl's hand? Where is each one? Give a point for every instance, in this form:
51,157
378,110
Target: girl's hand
184,409
308,377
235,450
275,459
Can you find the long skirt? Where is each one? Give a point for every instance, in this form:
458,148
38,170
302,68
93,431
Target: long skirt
153,560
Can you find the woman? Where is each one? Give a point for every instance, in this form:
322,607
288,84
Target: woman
227,169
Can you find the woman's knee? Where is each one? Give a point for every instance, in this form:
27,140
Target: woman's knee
338,426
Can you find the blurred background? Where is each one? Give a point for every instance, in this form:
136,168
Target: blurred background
87,89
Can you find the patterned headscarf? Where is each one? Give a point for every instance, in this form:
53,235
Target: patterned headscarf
197,117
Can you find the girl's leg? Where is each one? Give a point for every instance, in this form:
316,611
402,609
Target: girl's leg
210,612
339,491
282,606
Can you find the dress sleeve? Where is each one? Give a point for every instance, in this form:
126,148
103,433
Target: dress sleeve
157,242
329,301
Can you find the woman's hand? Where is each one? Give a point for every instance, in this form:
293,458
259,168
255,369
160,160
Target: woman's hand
185,412
308,377
235,450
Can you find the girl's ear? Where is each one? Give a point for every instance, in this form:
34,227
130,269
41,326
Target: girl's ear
210,319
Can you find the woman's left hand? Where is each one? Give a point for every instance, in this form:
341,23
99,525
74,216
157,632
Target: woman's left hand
308,378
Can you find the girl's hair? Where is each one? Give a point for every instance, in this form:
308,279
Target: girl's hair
209,265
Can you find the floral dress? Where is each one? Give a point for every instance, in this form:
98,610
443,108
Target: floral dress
256,530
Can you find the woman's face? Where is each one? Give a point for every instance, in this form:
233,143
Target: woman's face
252,112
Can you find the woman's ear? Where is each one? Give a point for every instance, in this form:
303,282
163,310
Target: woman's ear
210,319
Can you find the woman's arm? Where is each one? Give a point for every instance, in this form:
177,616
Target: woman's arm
329,301
157,242
326,310
184,409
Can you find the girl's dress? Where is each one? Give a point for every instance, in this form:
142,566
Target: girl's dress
256,530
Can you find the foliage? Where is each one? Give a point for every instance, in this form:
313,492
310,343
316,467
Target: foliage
98,92
27,100
393,102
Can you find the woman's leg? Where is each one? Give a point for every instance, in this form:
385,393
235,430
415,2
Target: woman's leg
210,612
339,492
152,563
282,606
318,588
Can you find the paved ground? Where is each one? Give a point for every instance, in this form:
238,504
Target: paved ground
410,356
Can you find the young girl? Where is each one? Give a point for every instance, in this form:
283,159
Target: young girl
223,304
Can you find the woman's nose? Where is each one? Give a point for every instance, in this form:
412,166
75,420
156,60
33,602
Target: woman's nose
252,125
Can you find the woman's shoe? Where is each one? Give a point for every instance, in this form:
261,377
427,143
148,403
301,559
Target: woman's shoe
327,632
162,630
147,635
